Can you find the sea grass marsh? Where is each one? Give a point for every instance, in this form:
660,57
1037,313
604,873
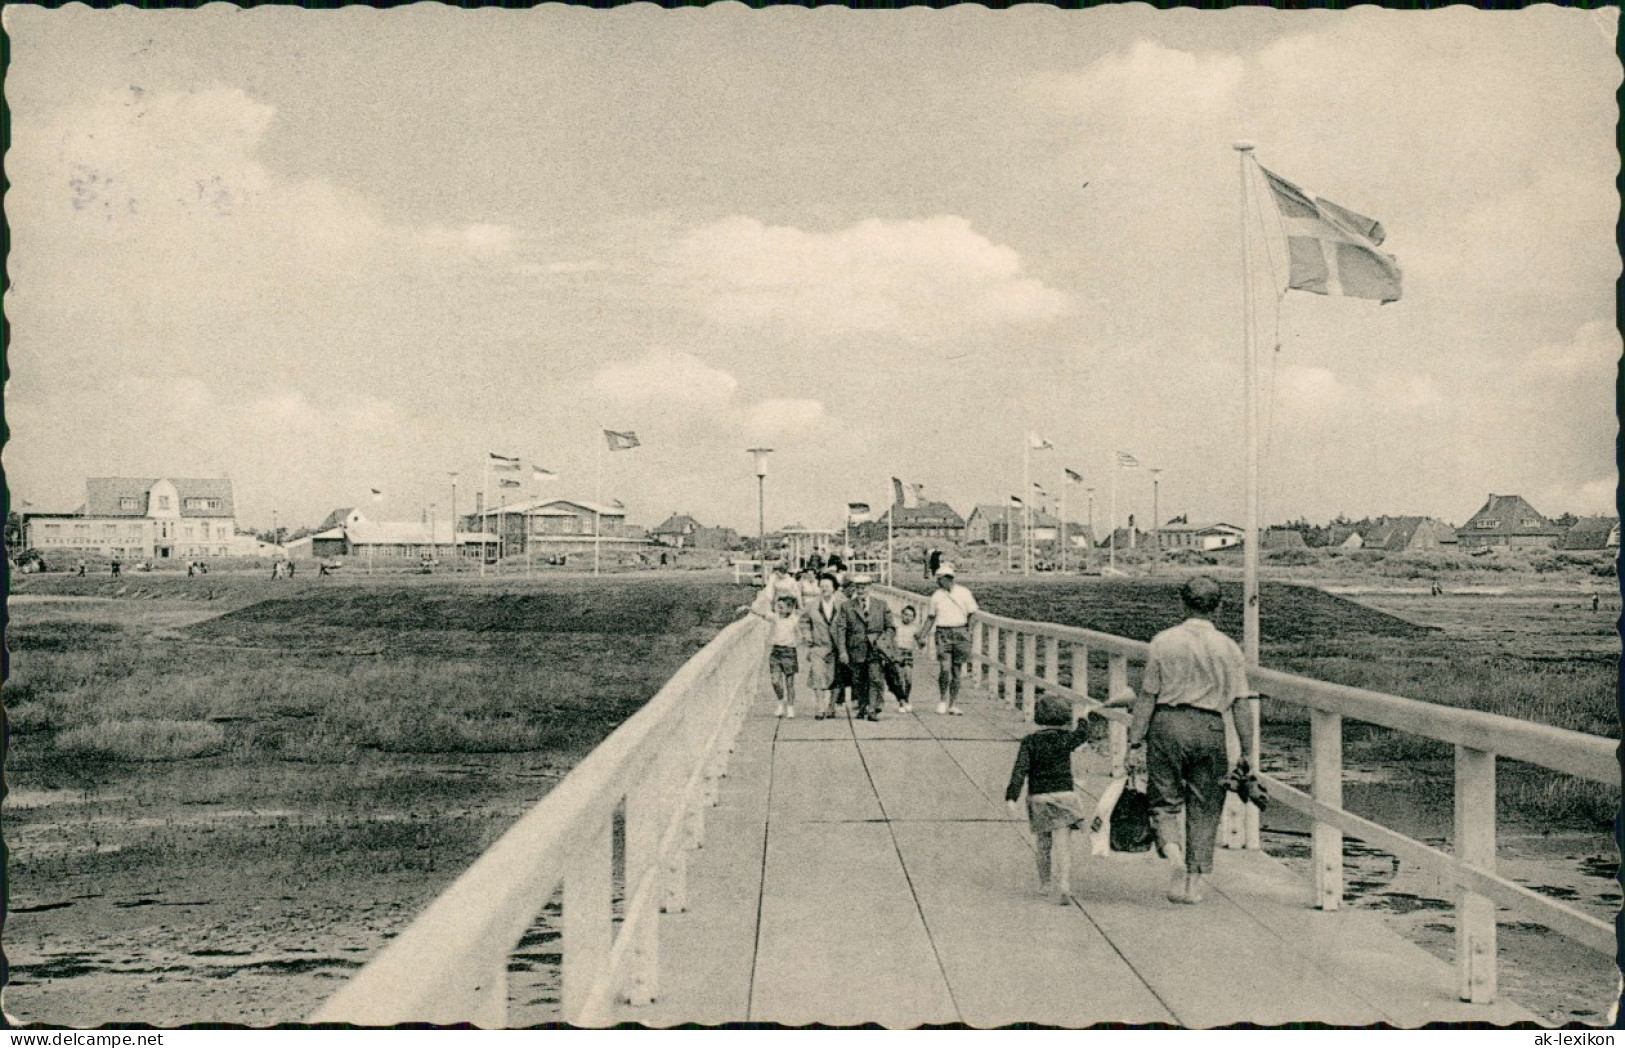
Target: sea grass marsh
225,793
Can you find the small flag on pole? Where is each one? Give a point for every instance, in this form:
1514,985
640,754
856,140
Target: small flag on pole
1330,249
1074,476
538,473
1015,500
377,496
504,482
1038,443
857,512
898,498
1127,461
621,441
502,463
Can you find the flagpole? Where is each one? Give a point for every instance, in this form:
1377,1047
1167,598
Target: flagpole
1249,584
1026,509
1063,521
485,507
597,500
1111,525
890,516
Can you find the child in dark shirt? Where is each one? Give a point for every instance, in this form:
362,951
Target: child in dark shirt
1044,767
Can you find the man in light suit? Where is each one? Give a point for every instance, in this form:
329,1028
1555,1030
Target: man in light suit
818,621
863,636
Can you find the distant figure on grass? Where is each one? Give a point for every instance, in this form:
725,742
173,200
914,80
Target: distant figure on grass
81,567
900,663
1193,676
289,567
113,565
820,621
1044,767
952,605
863,635
1596,601
787,631
276,569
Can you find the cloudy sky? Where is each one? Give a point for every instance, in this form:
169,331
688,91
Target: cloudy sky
325,252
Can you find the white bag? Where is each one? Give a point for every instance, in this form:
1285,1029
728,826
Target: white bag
1100,831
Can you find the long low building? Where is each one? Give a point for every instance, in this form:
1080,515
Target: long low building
349,533
550,526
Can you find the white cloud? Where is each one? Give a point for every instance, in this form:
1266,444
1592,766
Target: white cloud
1147,79
481,240
667,377
780,416
920,279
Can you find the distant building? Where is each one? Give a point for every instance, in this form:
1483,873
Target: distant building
1199,536
556,525
682,531
1344,536
927,520
1591,533
1507,520
1399,534
676,530
349,533
1281,538
143,518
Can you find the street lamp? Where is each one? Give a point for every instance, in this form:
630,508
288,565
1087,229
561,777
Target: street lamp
761,455
1156,523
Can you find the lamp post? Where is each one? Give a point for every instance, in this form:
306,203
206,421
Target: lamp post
1156,523
453,513
761,513
1091,493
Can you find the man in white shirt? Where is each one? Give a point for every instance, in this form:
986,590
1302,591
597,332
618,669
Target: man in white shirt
952,605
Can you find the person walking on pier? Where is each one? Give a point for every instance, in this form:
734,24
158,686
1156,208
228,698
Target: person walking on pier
900,664
863,634
819,631
787,631
952,605
1044,767
1193,676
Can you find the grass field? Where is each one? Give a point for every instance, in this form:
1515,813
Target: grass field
201,804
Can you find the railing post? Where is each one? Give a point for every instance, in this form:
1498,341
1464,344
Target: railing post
1011,691
1029,660
1326,779
978,651
1116,674
588,917
1080,672
1117,746
645,805
1001,683
990,649
1475,845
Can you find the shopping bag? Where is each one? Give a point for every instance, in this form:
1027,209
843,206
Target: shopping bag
1122,819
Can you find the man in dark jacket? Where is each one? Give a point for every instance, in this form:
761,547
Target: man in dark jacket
864,634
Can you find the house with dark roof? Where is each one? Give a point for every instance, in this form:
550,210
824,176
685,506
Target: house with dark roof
1344,536
927,519
151,518
1408,534
676,530
1591,533
1508,520
1200,536
1282,538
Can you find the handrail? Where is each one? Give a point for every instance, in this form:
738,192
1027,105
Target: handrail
1479,738
450,965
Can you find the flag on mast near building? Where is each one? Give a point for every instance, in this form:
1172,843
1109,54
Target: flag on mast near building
898,498
502,463
857,512
1074,476
621,441
1038,443
1330,249
1015,500
538,473
1127,461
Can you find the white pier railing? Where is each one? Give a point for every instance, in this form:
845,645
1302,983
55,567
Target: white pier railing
451,964
1014,658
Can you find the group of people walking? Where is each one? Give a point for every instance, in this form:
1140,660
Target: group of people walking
856,646
1177,739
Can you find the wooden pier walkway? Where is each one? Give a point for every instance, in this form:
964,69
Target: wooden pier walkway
857,872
